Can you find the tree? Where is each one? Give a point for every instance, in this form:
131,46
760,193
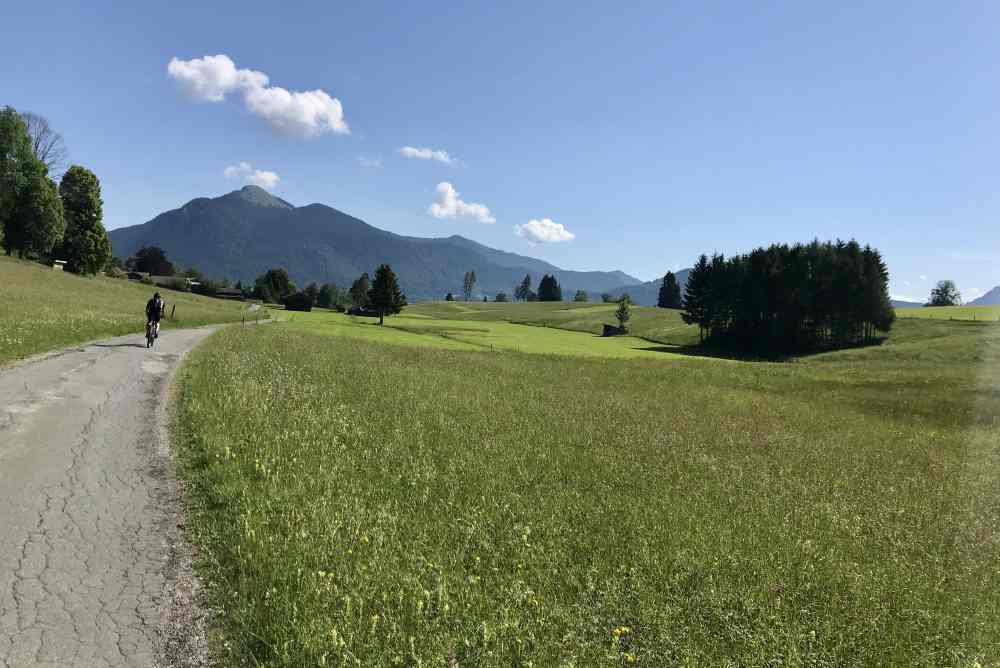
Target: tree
20,183
359,290
670,292
151,260
623,313
581,296
385,295
328,296
313,291
945,293
501,297
46,144
625,297
86,247
549,290
523,289
607,297
696,296
273,286
468,284
37,218
449,297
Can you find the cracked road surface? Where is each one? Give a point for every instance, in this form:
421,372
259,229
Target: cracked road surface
93,568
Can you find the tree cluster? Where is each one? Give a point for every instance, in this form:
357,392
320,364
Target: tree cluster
945,293
37,218
549,289
784,298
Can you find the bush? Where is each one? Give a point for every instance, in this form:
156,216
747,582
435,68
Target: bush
115,272
178,284
501,297
146,280
300,301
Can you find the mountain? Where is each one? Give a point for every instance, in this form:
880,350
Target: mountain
902,303
648,293
242,234
991,298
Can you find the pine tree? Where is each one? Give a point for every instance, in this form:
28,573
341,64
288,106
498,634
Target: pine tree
449,297
549,290
385,295
86,246
670,292
523,289
469,284
696,296
623,313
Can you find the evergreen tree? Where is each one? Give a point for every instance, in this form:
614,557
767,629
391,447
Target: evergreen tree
523,289
623,313
86,247
385,295
670,292
359,291
328,296
313,291
581,296
696,296
468,284
549,290
449,297
152,260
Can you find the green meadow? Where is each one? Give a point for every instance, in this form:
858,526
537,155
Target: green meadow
365,496
423,327
986,313
42,309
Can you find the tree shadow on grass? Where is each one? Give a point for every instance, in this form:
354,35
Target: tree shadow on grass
718,352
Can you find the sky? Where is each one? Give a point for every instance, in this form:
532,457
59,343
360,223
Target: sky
630,136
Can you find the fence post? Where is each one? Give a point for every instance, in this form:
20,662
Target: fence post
173,310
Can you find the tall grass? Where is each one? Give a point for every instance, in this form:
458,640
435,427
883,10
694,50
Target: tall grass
42,309
358,503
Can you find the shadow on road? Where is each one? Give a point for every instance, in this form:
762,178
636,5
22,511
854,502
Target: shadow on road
119,345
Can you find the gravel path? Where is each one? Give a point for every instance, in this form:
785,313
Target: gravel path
94,570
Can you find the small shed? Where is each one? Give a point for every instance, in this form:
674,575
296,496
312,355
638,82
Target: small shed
59,265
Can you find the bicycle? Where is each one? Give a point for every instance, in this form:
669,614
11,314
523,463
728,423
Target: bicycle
150,334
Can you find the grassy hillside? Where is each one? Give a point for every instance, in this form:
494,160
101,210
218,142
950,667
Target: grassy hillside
951,312
42,309
357,503
420,329
656,324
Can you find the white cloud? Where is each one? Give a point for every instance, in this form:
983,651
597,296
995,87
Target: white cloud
449,205
370,163
922,277
245,172
973,293
542,231
427,154
905,298
907,283
305,114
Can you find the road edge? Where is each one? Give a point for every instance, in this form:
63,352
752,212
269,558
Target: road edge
182,636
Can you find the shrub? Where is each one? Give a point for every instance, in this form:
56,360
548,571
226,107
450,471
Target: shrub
146,280
300,301
115,272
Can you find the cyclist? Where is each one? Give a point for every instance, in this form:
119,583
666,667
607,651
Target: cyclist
154,311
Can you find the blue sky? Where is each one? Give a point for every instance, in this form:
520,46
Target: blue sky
650,133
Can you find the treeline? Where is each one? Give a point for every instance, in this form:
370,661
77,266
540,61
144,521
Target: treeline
790,298
39,219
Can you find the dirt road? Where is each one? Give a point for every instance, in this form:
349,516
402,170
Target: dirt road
93,569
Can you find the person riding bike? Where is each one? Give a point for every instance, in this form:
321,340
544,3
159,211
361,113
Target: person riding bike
154,311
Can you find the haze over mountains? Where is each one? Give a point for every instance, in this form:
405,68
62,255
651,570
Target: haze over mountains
991,298
242,234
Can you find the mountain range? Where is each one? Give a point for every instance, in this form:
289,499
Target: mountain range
991,298
246,232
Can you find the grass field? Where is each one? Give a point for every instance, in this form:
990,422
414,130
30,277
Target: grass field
41,309
655,324
425,327
357,503
985,313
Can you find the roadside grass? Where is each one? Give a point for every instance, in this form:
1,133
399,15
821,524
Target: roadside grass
655,324
425,329
985,313
357,503
42,309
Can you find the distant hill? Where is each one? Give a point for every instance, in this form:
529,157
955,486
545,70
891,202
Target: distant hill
648,293
991,298
244,233
902,303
